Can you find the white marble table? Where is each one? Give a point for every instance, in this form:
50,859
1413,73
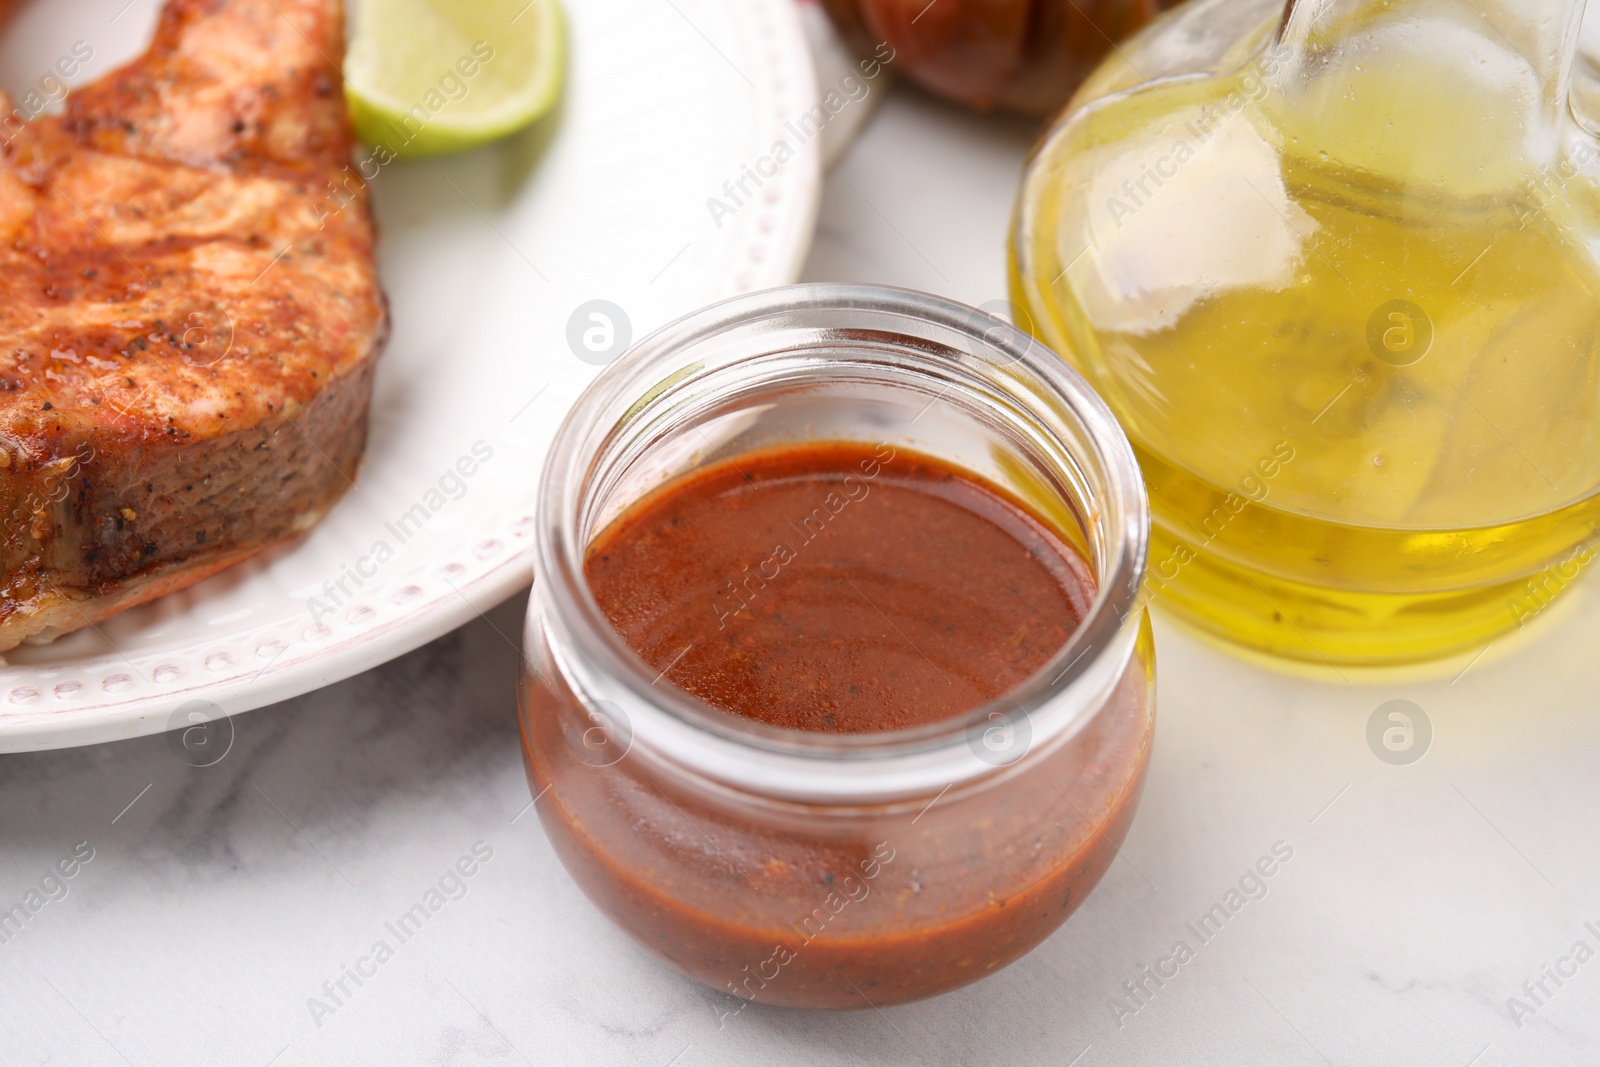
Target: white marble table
1418,898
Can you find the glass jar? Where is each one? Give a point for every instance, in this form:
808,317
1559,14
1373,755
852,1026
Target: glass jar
838,870
1333,266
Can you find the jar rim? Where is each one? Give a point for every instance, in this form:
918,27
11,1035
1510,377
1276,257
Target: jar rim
747,754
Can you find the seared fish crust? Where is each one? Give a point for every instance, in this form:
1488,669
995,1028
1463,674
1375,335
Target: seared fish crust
189,313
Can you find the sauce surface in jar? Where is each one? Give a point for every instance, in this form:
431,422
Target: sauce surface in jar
838,587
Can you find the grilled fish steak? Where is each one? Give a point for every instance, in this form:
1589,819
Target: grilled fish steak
189,314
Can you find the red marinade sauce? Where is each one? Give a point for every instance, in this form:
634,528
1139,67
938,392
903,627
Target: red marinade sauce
839,587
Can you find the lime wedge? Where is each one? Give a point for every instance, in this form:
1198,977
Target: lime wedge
429,76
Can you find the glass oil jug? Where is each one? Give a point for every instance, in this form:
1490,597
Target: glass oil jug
1336,268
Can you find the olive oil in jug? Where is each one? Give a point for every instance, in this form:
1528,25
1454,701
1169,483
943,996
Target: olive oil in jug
1339,278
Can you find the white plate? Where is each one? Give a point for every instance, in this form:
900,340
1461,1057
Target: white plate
485,257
